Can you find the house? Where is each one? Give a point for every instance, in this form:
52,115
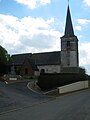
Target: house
49,62
33,64
23,64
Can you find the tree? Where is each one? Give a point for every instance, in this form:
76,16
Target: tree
82,70
4,58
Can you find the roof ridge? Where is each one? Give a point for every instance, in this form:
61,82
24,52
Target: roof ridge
46,52
22,54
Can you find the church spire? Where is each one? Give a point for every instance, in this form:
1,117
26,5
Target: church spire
69,27
69,47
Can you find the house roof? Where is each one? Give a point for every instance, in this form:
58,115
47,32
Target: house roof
18,59
46,58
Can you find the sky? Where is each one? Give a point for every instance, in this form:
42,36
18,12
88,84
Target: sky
33,26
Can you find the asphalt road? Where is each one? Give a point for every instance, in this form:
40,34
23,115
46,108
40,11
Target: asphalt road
17,95
73,106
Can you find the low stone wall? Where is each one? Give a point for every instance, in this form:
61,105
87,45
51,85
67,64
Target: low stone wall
12,77
89,83
73,87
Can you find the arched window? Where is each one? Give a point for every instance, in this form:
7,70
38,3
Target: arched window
42,71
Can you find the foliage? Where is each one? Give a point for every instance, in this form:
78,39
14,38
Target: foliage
82,70
4,58
50,81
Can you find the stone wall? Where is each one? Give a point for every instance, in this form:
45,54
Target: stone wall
73,87
69,70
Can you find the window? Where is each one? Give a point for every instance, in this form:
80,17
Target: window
68,43
26,71
42,71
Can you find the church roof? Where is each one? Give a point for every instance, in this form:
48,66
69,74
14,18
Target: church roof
18,59
46,58
68,27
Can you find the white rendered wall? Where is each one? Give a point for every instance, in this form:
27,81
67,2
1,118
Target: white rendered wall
73,87
50,68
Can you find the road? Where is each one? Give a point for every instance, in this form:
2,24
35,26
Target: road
17,95
73,106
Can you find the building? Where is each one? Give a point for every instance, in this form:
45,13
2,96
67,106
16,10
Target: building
69,48
33,64
51,62
23,64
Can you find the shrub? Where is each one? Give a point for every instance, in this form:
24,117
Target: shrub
3,69
50,81
82,70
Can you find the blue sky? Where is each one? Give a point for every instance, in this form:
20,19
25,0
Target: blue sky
37,25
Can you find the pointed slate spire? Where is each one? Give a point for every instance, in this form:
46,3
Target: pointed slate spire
69,27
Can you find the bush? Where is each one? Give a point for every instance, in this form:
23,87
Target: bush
88,77
3,69
50,81
4,58
82,70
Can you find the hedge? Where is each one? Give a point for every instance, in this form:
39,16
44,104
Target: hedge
50,81
3,69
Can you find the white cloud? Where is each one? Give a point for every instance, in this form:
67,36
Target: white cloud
78,28
84,49
45,1
87,2
33,3
83,21
28,34
85,53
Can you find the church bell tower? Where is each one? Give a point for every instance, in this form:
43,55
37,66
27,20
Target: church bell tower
69,48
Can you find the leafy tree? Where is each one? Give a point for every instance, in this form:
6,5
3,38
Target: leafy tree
82,70
4,58
3,55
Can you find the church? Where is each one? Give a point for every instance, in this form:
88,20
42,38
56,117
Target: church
66,60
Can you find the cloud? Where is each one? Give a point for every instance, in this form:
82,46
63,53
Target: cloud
85,53
33,3
87,2
84,50
28,34
78,28
83,21
31,35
